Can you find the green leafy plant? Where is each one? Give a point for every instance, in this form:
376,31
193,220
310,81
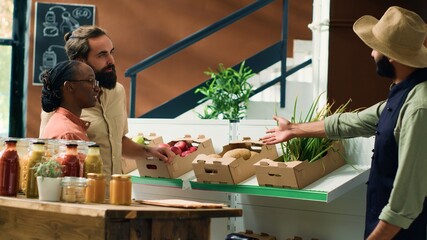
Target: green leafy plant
310,149
228,92
49,167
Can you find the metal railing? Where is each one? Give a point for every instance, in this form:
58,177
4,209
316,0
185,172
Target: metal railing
257,63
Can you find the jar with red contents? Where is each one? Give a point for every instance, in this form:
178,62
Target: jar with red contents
70,161
9,169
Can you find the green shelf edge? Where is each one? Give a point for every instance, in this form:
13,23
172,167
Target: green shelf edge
310,195
264,191
167,182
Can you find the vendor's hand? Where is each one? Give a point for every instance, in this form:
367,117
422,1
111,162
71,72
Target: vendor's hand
281,133
163,153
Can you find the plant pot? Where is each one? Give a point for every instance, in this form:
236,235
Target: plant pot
49,188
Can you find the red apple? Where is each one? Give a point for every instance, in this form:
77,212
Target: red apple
185,153
164,145
192,149
176,150
181,145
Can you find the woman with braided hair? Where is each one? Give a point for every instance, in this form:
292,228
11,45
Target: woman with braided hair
68,88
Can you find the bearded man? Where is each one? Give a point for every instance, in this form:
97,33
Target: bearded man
396,205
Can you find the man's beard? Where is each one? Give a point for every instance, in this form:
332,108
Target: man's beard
107,79
385,68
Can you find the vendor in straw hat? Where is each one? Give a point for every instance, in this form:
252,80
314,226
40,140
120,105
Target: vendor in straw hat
397,187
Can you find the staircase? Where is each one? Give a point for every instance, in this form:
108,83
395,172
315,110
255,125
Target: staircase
271,65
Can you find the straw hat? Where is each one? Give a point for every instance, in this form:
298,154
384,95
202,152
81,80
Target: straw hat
399,35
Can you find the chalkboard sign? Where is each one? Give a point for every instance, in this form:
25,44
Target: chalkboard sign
52,22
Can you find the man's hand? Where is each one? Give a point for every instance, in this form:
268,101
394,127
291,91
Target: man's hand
133,150
384,231
286,130
279,134
163,153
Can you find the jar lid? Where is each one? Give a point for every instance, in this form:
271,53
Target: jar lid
120,176
74,180
74,145
96,175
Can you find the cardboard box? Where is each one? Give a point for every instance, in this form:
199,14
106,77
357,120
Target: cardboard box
154,167
230,170
128,165
249,234
298,174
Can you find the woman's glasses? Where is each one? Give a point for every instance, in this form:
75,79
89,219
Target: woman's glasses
95,83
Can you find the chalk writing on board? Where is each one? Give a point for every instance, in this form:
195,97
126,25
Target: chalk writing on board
53,21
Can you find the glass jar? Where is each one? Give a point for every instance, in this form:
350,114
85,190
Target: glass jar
120,189
93,161
69,161
9,169
95,190
52,147
29,180
73,189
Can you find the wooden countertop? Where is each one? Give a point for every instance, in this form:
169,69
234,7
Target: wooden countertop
136,210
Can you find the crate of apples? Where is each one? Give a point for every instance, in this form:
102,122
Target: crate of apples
181,148
186,150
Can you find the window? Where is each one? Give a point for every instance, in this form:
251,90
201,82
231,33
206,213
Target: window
6,22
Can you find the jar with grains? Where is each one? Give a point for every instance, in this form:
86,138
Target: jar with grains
120,189
29,180
70,161
95,190
9,169
73,189
93,161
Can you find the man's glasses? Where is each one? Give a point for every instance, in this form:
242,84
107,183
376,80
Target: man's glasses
95,83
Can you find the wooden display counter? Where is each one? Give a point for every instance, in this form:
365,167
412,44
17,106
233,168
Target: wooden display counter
22,218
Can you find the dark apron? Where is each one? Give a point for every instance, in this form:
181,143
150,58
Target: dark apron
385,162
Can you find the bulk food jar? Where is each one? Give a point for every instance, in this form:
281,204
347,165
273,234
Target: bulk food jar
28,180
73,189
95,190
9,169
120,189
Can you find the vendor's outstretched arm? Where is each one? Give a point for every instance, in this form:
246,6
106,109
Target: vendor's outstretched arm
286,130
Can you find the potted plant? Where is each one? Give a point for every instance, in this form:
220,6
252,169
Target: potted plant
228,93
49,172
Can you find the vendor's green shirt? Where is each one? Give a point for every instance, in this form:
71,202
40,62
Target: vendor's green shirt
410,185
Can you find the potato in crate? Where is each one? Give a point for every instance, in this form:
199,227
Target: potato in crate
234,164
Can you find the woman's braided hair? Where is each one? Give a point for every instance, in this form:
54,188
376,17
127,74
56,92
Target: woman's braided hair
53,80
